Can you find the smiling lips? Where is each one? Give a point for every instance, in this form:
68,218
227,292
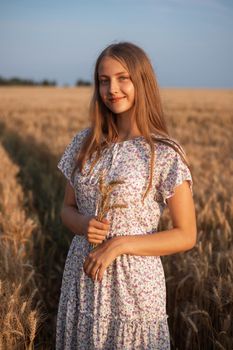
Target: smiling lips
116,99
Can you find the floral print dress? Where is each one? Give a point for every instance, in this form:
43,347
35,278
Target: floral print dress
127,309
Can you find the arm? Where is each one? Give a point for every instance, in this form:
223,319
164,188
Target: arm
82,225
181,238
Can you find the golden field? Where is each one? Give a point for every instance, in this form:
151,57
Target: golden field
36,124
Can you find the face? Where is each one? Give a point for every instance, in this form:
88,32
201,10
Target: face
115,86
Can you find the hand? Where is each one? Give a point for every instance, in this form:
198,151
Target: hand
100,258
95,230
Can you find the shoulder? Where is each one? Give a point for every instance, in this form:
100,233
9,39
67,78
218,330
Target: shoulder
81,134
78,138
67,160
171,159
171,170
169,151
76,142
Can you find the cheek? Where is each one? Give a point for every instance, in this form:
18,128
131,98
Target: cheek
103,92
131,93
130,90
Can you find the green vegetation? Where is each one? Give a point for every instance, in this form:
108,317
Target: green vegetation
15,81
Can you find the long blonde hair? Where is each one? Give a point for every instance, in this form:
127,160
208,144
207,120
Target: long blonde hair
147,108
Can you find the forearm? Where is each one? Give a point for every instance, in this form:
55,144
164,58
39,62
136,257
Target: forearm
156,244
73,220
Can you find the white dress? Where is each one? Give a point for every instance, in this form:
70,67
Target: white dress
127,309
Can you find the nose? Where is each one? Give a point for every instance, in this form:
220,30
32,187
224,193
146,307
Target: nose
113,87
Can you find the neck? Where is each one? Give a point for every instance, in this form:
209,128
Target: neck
126,126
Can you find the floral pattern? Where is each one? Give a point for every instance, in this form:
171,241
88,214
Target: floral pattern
127,309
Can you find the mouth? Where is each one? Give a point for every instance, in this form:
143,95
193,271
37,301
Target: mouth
114,100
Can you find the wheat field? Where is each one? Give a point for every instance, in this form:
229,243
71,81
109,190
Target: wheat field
35,126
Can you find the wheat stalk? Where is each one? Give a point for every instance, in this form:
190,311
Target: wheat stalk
103,204
32,321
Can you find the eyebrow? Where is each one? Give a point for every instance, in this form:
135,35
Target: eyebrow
103,75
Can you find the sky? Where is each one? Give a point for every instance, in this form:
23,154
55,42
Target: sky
189,42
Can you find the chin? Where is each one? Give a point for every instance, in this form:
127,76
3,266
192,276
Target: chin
119,110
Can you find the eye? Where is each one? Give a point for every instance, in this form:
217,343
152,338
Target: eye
103,81
123,77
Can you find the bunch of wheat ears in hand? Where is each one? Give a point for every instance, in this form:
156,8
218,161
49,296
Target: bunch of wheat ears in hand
103,204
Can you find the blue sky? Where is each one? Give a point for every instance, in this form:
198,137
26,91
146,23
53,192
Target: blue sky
190,42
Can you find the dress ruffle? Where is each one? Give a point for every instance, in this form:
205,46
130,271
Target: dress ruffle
101,333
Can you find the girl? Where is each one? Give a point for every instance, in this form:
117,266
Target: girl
114,296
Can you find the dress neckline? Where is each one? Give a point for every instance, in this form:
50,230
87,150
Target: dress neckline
129,140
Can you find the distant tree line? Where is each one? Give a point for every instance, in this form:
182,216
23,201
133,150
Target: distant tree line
29,82
15,81
81,82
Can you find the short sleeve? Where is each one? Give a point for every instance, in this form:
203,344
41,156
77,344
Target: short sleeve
173,173
66,163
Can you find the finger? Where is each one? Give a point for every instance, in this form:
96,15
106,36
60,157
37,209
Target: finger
102,232
97,225
96,276
97,231
90,236
96,237
92,269
89,267
94,272
87,261
95,240
100,273
102,226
